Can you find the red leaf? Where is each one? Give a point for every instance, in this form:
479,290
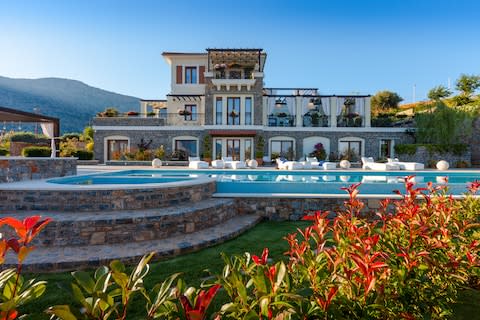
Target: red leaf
14,244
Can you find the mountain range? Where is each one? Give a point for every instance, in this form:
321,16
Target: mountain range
73,102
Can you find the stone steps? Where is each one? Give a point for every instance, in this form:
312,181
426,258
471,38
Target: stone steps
62,258
125,226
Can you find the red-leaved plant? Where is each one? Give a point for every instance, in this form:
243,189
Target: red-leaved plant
408,262
16,291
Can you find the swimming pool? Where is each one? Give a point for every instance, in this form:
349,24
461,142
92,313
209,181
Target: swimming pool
282,182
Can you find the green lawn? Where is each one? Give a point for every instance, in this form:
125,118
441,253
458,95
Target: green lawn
193,266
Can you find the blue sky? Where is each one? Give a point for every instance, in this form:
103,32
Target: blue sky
339,46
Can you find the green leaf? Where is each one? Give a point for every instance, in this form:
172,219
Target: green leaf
282,270
117,266
102,283
84,280
62,311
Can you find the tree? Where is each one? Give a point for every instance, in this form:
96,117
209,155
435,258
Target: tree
438,92
385,100
468,84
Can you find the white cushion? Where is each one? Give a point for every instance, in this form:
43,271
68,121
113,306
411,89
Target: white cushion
193,158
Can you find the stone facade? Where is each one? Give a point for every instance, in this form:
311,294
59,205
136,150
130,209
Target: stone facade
14,169
371,139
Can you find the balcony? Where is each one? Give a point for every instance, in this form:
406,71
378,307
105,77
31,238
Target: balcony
316,120
350,120
166,119
281,120
228,83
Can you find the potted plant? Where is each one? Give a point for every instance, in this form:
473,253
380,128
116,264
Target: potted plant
207,148
184,112
259,151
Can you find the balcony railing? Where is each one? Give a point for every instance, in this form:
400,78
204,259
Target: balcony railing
316,120
168,119
281,120
350,120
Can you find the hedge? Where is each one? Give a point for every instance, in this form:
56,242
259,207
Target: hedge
83,154
29,137
3,151
36,152
410,149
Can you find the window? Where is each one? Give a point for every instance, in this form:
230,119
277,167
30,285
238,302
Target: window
233,111
162,113
186,148
190,113
248,149
218,110
350,150
248,110
283,148
218,149
190,74
386,148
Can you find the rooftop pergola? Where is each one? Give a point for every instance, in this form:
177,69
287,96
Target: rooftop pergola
243,58
13,115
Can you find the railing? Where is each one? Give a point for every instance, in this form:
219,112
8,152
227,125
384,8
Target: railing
168,119
350,121
281,121
315,120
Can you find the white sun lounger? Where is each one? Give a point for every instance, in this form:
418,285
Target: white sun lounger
369,164
196,163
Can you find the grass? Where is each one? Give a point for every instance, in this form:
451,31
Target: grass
199,265
194,267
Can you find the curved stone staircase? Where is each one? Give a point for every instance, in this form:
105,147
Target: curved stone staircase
77,240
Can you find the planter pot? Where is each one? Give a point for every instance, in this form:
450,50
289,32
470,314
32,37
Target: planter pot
259,161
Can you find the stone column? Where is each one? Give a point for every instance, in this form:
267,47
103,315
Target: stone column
368,113
298,111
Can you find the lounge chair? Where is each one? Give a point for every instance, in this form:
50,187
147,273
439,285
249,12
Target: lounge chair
369,164
315,164
196,163
218,164
288,165
229,163
406,165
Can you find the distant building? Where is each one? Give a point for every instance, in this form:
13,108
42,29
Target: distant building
220,93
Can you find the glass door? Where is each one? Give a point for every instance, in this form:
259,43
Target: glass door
233,148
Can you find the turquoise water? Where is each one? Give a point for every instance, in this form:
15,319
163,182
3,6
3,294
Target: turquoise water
296,182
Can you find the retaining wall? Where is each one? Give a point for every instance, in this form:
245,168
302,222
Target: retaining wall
14,169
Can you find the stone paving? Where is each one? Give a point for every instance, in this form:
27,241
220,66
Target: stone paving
48,259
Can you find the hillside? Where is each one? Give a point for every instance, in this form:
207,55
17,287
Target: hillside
74,102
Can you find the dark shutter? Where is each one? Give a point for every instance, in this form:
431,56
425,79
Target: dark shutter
201,76
179,75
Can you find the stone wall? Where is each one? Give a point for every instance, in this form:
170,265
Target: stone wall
16,147
164,137
430,159
14,169
85,200
295,208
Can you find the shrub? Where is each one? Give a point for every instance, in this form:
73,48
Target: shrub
4,152
70,136
109,112
318,152
29,137
83,154
36,152
160,153
89,146
15,290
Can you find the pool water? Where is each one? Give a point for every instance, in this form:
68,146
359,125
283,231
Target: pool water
283,182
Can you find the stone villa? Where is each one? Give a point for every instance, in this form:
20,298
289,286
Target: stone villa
220,94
